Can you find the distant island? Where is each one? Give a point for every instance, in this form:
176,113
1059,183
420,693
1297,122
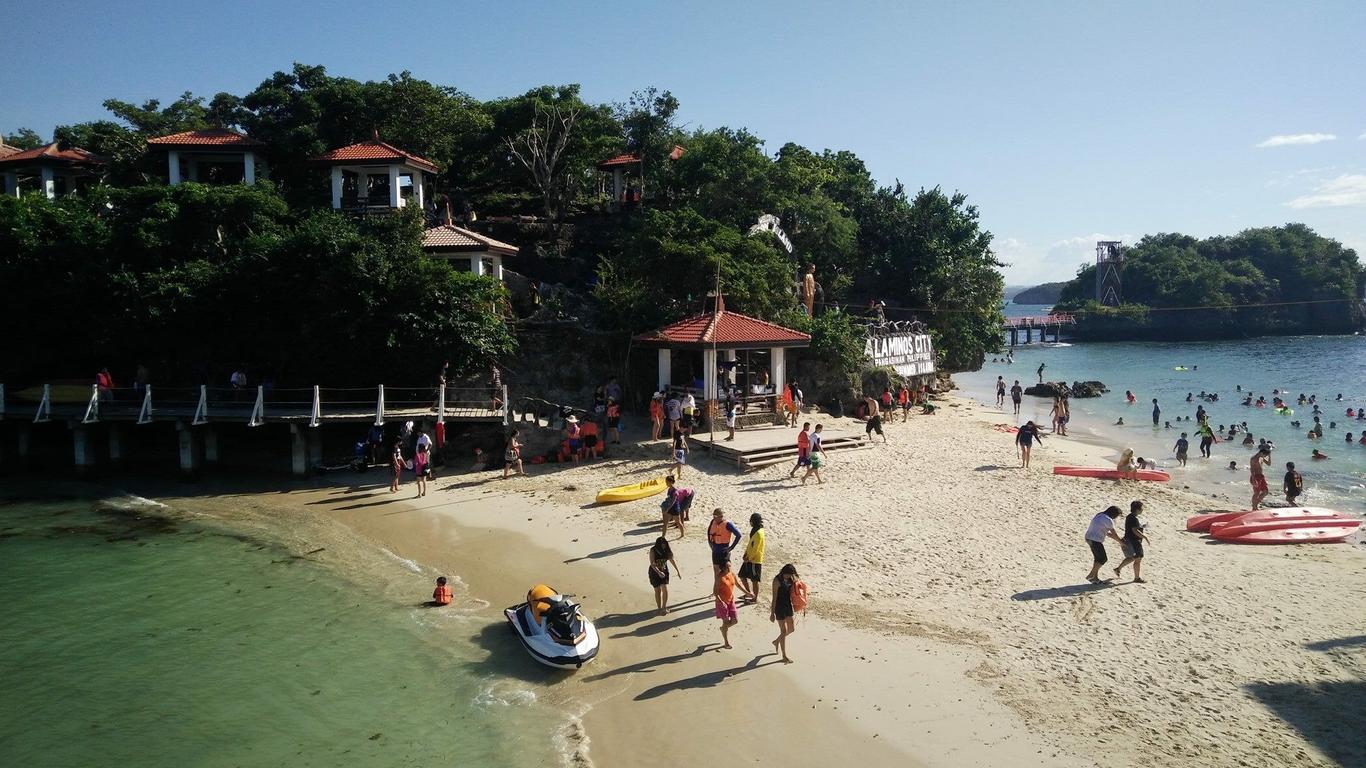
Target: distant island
1046,293
1265,281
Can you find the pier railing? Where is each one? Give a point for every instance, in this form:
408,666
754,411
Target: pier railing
254,405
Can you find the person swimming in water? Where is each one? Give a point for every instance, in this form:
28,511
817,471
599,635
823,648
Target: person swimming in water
1317,455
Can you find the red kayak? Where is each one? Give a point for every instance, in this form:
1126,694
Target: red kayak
1202,523
1108,473
1326,532
1238,528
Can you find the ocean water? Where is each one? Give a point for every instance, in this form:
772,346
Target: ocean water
138,634
1325,366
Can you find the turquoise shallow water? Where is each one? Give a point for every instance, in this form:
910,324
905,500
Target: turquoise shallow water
134,635
1321,365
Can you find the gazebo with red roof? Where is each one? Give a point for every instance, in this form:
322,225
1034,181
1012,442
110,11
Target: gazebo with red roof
624,163
725,333
59,169
209,155
372,174
465,249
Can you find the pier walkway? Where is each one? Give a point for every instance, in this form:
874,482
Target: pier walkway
1027,324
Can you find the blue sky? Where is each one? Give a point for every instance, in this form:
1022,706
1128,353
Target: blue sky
1062,121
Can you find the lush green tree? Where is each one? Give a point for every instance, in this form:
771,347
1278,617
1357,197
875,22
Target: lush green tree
24,138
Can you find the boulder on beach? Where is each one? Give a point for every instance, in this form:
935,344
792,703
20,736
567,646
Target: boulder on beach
1049,389
1088,389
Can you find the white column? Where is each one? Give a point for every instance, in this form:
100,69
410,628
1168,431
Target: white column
666,363
173,167
498,268
336,186
115,444
49,185
476,264
708,374
190,454
395,198
730,372
420,189
248,167
778,368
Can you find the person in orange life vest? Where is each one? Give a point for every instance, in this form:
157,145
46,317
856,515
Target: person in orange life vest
722,536
614,420
903,398
442,594
803,449
105,381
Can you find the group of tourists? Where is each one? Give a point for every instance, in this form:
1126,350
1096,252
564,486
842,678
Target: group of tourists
787,593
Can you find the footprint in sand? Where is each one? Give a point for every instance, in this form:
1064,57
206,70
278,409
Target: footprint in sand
1082,608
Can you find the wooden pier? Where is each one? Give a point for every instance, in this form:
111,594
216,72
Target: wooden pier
1043,323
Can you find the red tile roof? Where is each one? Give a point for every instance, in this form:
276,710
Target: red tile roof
374,151
208,137
6,150
52,154
726,330
448,237
629,158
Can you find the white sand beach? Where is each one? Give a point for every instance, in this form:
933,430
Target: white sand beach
950,623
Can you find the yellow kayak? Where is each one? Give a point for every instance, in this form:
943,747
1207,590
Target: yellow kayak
631,492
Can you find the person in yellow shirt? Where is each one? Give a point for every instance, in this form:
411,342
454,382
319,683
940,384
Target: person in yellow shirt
751,569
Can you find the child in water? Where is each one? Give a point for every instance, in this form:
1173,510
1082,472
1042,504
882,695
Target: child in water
441,596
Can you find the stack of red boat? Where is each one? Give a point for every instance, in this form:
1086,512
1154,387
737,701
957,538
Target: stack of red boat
1288,525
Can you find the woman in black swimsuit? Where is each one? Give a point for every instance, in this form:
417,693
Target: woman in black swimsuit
781,612
1025,439
661,556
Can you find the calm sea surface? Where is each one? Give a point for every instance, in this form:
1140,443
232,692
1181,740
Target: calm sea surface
1314,365
140,635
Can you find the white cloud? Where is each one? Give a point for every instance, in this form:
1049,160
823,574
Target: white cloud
1347,190
1030,264
1289,139
1362,137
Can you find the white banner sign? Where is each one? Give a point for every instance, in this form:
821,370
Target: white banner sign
910,354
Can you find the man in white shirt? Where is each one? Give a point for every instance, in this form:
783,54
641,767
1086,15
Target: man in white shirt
1102,525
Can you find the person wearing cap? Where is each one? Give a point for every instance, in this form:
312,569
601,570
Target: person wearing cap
574,436
1257,477
656,415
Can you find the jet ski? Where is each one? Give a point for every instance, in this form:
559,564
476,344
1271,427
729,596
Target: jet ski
552,629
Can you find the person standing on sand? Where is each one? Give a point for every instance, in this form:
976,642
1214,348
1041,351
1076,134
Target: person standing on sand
1025,440
788,591
723,590
661,557
1000,392
1257,477
673,412
752,565
1102,525
903,398
512,455
816,456
680,452
656,415
396,463
674,509
803,449
1015,392
1132,542
1293,484
722,536
1182,446
1041,366
874,423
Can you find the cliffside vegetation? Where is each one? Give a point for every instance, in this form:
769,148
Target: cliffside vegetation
197,276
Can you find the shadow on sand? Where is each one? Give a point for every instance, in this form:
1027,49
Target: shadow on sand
624,548
706,679
1319,712
1071,590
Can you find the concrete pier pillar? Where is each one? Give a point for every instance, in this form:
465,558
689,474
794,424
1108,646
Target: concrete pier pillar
298,453
115,434
191,452
84,449
210,445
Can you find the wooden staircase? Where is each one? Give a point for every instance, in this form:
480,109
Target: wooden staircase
765,446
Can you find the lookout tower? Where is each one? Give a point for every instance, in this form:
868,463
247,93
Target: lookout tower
1109,267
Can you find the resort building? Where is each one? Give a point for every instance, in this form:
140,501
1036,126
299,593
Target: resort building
209,156
55,169
373,175
466,250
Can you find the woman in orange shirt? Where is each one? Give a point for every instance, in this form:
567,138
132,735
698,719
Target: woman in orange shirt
724,592
656,416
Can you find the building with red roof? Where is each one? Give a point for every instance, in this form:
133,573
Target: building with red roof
628,163
374,174
465,249
210,155
749,352
56,169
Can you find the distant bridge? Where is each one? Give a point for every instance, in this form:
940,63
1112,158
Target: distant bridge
1027,324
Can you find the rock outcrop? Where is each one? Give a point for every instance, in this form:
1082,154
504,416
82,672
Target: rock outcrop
1088,389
